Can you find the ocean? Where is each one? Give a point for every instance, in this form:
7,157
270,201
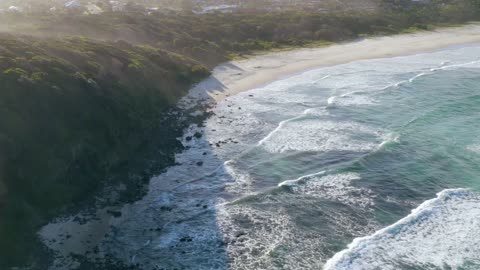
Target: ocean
372,164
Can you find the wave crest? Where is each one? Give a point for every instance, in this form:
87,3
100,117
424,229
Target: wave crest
441,233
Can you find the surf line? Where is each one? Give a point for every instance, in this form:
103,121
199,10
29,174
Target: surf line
341,259
282,124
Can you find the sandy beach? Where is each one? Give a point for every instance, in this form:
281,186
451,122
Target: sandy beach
242,75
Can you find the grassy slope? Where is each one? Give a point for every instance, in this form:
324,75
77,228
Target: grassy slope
74,108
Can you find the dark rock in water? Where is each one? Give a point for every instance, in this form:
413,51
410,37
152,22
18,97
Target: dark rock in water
204,153
250,95
115,214
239,234
186,239
188,138
198,135
200,163
205,206
166,208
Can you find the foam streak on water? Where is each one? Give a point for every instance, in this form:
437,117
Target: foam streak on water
442,232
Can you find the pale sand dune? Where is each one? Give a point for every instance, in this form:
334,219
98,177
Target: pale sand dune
237,76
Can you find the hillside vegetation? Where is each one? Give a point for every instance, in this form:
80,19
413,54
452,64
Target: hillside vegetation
71,109
81,95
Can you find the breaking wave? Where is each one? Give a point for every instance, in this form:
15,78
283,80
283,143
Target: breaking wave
442,233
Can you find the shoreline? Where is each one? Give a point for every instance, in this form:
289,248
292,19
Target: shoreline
253,72
237,76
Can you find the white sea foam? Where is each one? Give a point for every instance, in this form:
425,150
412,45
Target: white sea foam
467,64
289,183
278,128
390,138
351,99
331,100
336,187
442,233
315,135
421,74
474,148
407,81
241,181
267,234
311,111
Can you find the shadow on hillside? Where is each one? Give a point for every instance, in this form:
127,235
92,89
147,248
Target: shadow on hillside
175,226
215,84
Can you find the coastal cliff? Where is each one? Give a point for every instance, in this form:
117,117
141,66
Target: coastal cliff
86,100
